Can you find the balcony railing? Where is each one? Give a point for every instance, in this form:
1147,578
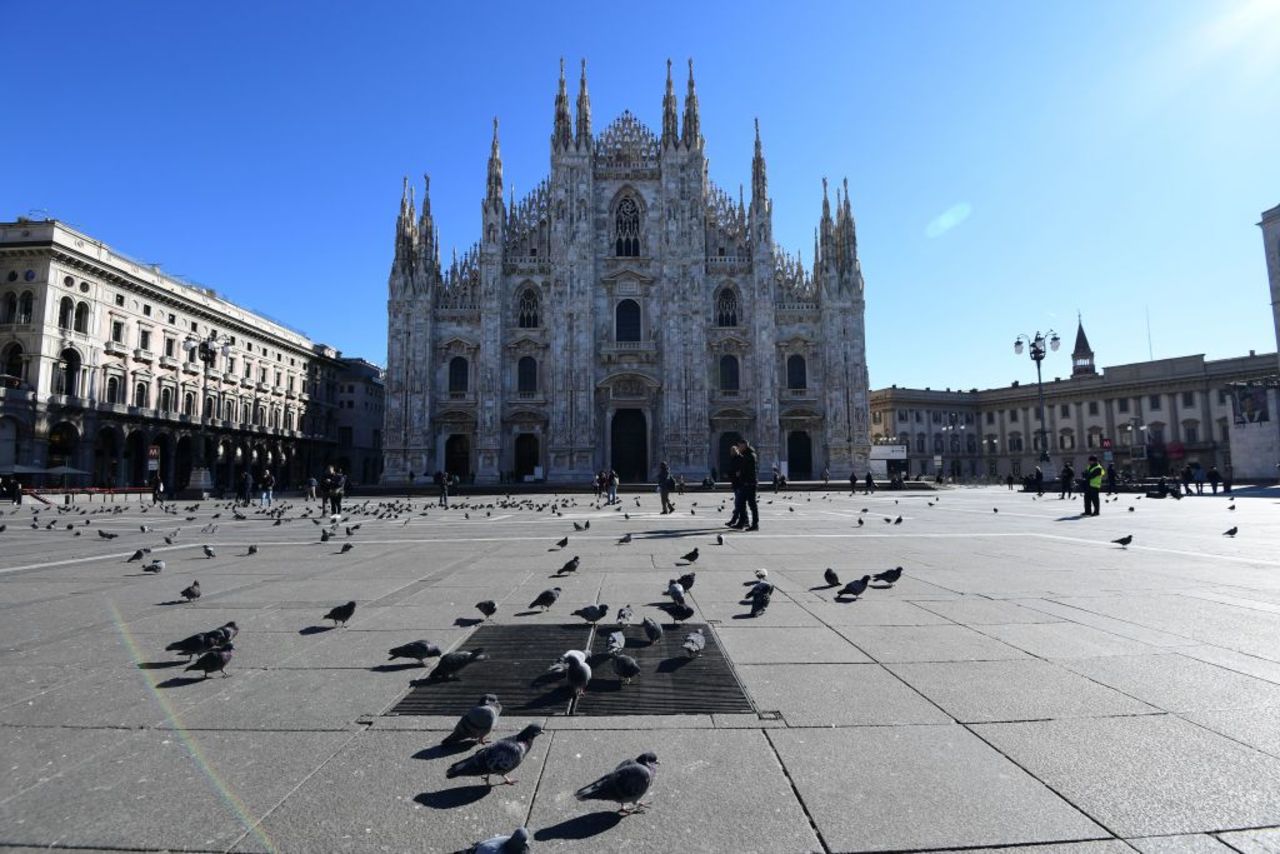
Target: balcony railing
630,347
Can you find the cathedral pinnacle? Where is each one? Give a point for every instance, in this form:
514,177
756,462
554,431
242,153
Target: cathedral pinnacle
562,134
691,131
670,128
759,181
584,112
493,196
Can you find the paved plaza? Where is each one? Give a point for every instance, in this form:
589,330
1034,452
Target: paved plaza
1025,683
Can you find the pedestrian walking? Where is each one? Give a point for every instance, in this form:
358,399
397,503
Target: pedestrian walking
1198,475
1009,481
853,483
267,485
597,484
1111,479
611,484
1186,480
157,488
1039,481
1093,475
680,485
337,491
871,483
735,483
246,487
327,482
443,483
1066,479
826,477
777,478
666,483
1214,479
750,477
310,493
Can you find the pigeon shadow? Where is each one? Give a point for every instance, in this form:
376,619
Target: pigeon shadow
440,751
671,665
179,681
467,622
395,668
545,678
580,827
172,602
1072,518
746,616
823,587
844,600
526,613
881,586
159,665
315,630
447,799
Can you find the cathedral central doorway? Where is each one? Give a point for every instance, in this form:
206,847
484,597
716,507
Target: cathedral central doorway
799,456
526,455
457,456
629,445
726,441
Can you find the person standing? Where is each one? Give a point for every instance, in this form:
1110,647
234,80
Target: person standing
1039,479
1214,479
1093,475
611,483
310,493
853,483
750,477
1186,480
1199,478
337,491
735,483
1067,479
665,484
444,490
826,477
268,485
246,487
871,483
157,488
1111,478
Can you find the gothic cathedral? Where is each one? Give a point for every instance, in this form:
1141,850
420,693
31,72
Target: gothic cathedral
625,312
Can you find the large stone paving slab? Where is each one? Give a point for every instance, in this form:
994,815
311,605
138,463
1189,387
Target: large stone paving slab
1014,690
33,755
794,645
928,643
736,769
1150,775
199,791
1191,843
1066,640
1176,683
836,694
903,788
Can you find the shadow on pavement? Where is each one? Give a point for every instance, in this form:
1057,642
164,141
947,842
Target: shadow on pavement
579,827
447,799
179,682
440,751
159,665
315,630
395,668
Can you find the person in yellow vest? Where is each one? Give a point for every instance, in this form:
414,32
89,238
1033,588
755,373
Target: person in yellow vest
1093,475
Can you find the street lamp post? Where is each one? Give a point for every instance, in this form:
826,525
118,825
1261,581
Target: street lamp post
1037,345
207,350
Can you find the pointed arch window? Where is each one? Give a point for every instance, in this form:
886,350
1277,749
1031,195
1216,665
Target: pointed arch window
627,321
528,315
459,375
627,229
797,372
728,373
727,308
527,375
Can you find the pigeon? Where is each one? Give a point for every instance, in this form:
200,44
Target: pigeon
501,757
995,509
686,580
577,527
324,533
676,591
138,555
477,723
561,543
761,595
579,673
626,784
586,525
691,556
1231,532
719,539
214,661
856,587
898,521
652,630
1124,541
419,649
546,599
341,614
592,613
679,613
616,642
889,576
107,535
624,539
570,565
452,663
859,521
346,547
624,615
156,566
253,550
762,574
208,552
831,578
626,667
1231,506
488,607
694,643
195,645
516,843
192,592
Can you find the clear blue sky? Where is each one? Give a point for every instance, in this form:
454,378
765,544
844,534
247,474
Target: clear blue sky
1010,163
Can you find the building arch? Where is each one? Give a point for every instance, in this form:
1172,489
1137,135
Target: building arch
64,442
627,214
26,307
66,373
528,307
14,365
627,321
82,318
726,307
66,313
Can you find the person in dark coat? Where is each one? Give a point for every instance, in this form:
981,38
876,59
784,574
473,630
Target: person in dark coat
750,478
666,483
735,482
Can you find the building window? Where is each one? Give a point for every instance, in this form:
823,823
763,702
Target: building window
458,375
1188,398
1065,410
113,390
144,339
627,321
26,307
82,317
66,313
117,331
1155,402
876,417
627,229
991,418
937,444
1066,441
727,308
937,417
971,443
1190,434
1122,404
902,415
188,404
1093,407
1015,442
920,439
527,375
1013,415
527,315
166,399
344,437
728,373
9,313
168,346
120,300
797,373
140,395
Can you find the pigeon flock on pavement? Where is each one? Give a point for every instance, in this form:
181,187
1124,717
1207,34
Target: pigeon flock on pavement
210,652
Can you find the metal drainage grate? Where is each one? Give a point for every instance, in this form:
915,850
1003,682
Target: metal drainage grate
518,659
669,682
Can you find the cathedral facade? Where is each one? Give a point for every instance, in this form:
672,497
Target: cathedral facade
625,312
